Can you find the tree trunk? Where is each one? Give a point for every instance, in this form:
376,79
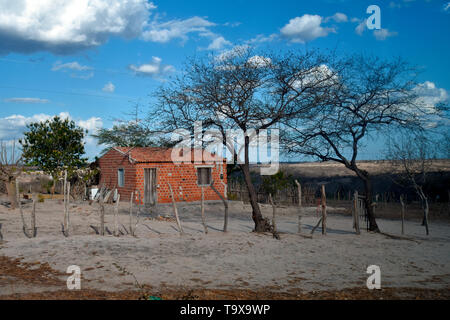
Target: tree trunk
369,204
260,225
11,190
256,211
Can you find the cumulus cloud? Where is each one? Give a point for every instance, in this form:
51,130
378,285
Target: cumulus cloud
153,69
109,87
177,29
337,17
218,43
12,127
430,95
26,100
383,34
259,62
305,28
65,27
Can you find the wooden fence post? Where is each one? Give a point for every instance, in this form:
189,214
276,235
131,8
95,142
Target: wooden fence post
274,211
356,213
403,213
225,204
102,215
203,211
175,210
324,211
116,212
25,228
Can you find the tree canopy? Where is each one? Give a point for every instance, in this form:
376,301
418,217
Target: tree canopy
54,145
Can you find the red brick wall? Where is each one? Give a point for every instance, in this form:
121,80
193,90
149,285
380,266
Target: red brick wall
109,164
183,179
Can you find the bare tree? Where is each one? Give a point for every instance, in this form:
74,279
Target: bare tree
240,90
10,168
367,95
411,158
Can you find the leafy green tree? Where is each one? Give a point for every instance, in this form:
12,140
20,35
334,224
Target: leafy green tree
53,146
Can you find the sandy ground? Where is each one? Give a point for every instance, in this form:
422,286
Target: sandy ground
239,259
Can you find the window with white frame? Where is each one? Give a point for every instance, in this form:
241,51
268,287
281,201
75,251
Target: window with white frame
120,177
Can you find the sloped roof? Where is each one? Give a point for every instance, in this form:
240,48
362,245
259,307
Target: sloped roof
157,154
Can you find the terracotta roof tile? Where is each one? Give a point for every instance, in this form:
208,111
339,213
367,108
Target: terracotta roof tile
157,154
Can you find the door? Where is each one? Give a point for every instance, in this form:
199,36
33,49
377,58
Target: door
150,187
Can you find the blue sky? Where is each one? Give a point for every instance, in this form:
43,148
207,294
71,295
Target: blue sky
93,60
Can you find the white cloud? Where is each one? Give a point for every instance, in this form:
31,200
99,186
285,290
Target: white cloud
338,17
64,27
447,7
69,65
177,29
259,62
109,87
361,27
260,38
383,34
430,95
305,28
26,100
152,69
236,51
78,71
218,43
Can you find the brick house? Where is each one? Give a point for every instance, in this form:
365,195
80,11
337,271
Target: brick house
150,169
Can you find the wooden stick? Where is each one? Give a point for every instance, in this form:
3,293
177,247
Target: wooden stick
274,209
131,212
203,211
1,236
102,215
25,229
225,204
116,211
316,226
175,210
33,219
356,216
299,231
324,211
403,214
299,191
